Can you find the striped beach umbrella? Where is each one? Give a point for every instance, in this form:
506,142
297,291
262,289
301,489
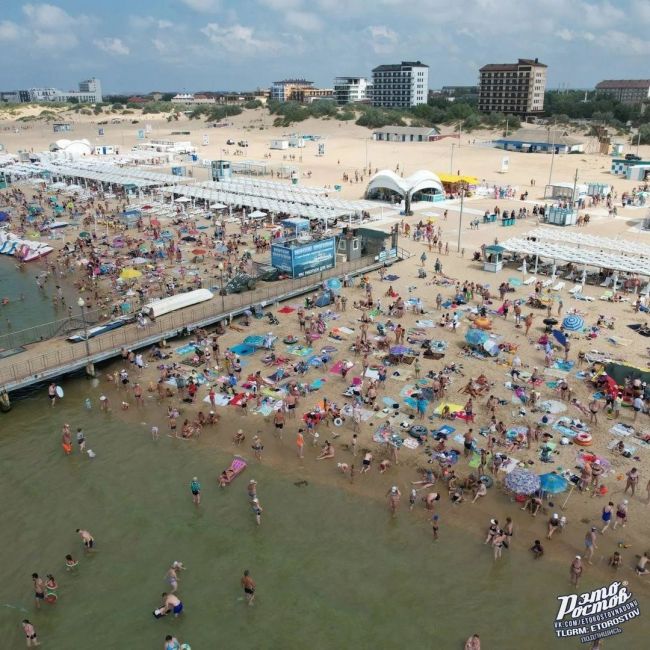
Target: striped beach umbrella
522,481
573,323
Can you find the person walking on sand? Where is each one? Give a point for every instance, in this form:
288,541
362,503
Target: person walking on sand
632,481
195,489
576,570
248,585
590,543
621,514
606,516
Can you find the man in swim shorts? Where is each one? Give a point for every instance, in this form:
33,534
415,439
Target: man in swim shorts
248,585
39,590
87,538
195,489
172,603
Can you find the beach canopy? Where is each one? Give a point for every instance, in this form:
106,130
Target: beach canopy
218,206
4,216
573,323
130,274
560,337
476,337
522,481
553,483
257,214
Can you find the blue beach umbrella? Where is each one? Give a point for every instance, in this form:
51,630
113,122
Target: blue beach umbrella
553,483
573,323
476,336
522,481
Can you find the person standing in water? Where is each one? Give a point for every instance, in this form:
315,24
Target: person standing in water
393,499
195,489
248,584
39,589
30,633
576,570
87,538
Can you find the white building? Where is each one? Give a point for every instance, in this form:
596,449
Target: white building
349,90
192,100
90,92
400,85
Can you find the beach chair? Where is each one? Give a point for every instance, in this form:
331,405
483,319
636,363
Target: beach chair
530,280
559,286
547,283
575,290
608,295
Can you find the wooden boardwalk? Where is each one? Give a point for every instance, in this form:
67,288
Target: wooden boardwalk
45,360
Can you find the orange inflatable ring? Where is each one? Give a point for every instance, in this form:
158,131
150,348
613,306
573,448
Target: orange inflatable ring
483,323
583,439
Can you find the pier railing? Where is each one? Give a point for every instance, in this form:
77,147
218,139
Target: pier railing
45,360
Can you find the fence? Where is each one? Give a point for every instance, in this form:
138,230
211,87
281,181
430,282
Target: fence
48,359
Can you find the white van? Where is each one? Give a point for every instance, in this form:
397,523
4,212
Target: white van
179,301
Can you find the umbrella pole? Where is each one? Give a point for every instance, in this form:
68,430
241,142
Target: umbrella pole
573,487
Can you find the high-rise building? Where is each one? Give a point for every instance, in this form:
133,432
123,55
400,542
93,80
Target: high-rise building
400,85
516,88
628,91
350,90
90,92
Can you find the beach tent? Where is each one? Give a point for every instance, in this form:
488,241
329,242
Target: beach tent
619,371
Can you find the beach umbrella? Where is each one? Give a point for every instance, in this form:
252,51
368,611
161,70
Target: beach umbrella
218,206
573,323
183,199
560,337
553,483
130,274
4,216
84,235
155,223
476,336
257,214
199,251
522,481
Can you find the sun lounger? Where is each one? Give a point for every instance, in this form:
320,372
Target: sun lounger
547,283
581,296
607,295
559,286
575,290
531,280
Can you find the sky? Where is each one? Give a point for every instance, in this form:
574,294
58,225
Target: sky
190,45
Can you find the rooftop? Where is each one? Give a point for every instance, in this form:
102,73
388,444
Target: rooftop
615,84
408,130
547,136
398,66
294,81
505,67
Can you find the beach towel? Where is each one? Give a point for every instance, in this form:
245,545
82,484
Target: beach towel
410,443
622,430
190,348
286,310
264,409
563,365
242,349
371,374
300,351
425,323
328,349
337,367
391,278
390,402
219,399
628,448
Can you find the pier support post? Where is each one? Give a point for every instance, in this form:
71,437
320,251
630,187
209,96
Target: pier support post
5,404
90,369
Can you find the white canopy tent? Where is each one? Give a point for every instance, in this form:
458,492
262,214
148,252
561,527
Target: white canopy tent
581,256
624,246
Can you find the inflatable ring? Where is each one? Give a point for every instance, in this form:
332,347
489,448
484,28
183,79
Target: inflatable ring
289,340
51,598
487,480
338,422
583,439
483,323
419,431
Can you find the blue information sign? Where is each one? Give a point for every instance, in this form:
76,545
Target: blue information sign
305,259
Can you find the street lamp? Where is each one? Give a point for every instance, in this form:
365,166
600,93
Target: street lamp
221,287
82,303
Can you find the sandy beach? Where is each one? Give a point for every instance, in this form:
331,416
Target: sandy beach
605,330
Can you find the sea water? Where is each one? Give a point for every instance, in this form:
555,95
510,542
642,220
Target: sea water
333,569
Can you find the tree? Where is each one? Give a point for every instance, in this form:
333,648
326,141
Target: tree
644,134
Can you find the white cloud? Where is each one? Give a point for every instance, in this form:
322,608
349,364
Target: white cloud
48,17
625,43
282,5
147,22
9,31
238,39
382,39
112,46
203,6
305,20
566,34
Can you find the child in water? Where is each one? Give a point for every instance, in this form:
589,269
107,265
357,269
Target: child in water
70,563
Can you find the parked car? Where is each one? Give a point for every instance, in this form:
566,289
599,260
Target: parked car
230,141
632,156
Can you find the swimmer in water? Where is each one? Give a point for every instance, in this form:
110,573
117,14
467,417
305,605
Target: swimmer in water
70,563
248,584
172,576
87,538
171,603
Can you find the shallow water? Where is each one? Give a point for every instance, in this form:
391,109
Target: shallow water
333,569
35,309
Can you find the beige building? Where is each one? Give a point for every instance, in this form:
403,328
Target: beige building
628,91
516,88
